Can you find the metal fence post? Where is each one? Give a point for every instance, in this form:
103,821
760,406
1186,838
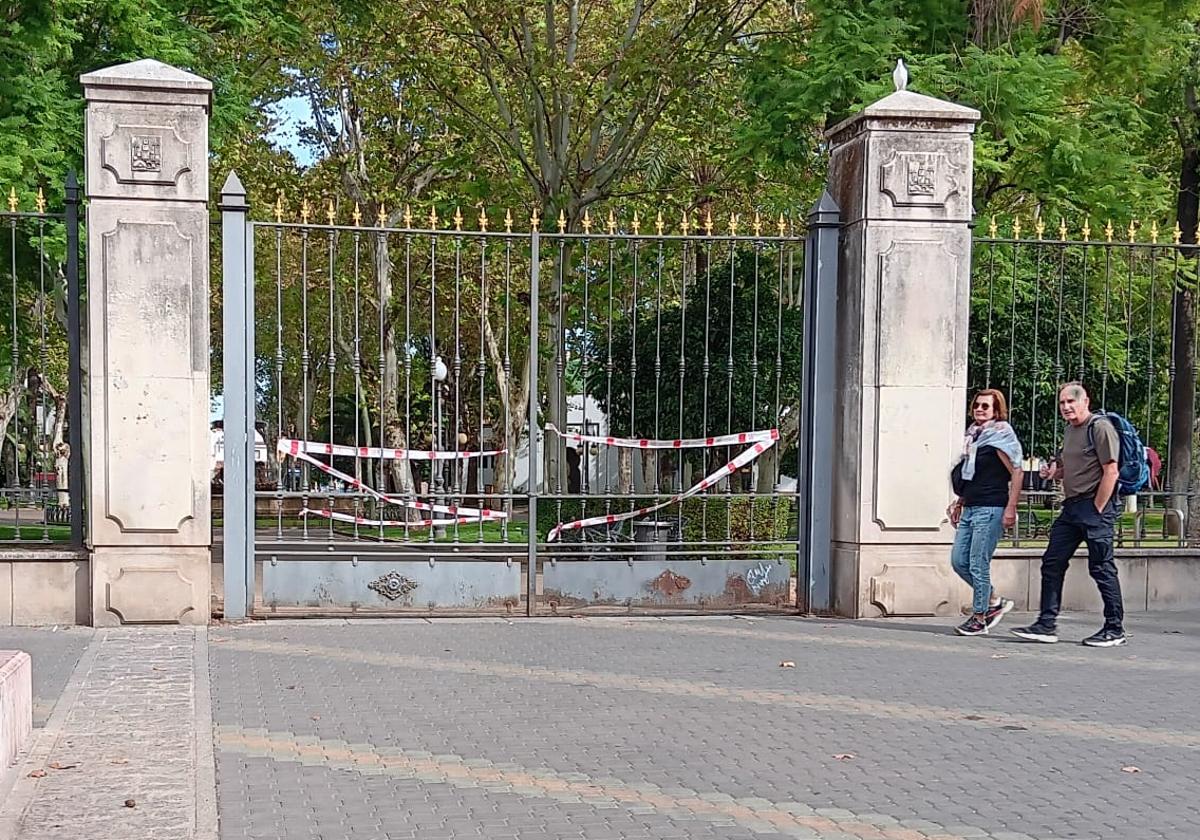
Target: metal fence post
532,482
75,477
237,344
817,421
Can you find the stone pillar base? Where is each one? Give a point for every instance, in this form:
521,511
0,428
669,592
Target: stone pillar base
16,704
150,586
875,581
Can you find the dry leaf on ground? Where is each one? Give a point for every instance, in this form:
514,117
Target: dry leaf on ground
37,774
999,656
54,765
787,663
843,756
130,803
1131,769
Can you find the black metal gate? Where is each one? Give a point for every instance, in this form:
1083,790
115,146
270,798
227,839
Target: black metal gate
387,363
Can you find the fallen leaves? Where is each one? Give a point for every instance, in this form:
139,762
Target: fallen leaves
130,803
787,663
999,656
1131,769
54,765
844,756
37,774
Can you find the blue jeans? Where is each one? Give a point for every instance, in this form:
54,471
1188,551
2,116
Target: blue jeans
979,532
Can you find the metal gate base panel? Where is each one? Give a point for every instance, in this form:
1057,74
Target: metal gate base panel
342,586
658,585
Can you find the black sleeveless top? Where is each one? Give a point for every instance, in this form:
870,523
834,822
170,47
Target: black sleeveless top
989,487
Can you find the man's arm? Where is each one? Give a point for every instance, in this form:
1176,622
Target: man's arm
1108,483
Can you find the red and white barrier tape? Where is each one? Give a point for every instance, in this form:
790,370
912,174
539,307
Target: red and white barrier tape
740,439
286,446
733,466
474,514
360,520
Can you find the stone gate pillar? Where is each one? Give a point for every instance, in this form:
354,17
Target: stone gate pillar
901,173
147,343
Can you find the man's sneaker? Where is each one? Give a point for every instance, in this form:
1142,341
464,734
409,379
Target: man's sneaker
1107,638
1036,633
972,627
994,614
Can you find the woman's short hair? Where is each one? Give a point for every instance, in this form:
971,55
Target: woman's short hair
999,404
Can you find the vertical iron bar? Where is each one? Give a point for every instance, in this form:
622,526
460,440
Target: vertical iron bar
534,399
238,479
358,395
302,432
817,425
331,363
43,364
481,364
279,430
75,370
683,282
1107,313
987,375
1083,311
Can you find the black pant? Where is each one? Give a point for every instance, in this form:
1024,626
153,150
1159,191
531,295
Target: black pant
1079,521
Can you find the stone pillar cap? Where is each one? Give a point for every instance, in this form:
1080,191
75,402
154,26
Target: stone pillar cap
150,81
907,106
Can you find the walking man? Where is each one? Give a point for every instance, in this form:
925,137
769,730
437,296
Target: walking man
1088,467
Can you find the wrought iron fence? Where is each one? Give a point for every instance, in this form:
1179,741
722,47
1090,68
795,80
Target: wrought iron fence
41,474
666,370
1117,314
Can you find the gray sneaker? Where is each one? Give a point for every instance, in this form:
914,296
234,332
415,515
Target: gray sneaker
1036,633
1106,638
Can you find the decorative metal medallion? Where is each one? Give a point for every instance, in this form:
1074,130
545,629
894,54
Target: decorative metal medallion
147,152
393,585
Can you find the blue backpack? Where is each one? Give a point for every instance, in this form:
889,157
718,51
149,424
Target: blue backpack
1133,470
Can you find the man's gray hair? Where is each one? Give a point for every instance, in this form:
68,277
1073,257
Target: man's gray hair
1076,389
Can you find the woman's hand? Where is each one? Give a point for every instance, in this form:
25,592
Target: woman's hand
1010,516
954,513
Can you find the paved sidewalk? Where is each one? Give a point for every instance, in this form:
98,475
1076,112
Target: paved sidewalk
127,751
600,729
619,728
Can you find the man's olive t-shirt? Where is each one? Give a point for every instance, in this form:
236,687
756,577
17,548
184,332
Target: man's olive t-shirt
1083,464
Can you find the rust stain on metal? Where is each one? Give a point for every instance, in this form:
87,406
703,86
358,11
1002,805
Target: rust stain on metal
669,584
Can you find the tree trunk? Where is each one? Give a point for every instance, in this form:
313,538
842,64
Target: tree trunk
392,430
1183,386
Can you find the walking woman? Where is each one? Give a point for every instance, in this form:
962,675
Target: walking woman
987,483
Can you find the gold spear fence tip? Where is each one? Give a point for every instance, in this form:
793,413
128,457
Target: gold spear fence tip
782,225
381,215
305,211
1017,227
458,219
41,201
1087,230
733,224
562,221
587,222
508,220
658,223
612,222
1132,230
12,199
1109,230
483,219
684,224
408,217
433,218
757,224
1154,231
1176,234
331,213
535,220
357,215
993,229
637,223
708,222
1040,227
1062,229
